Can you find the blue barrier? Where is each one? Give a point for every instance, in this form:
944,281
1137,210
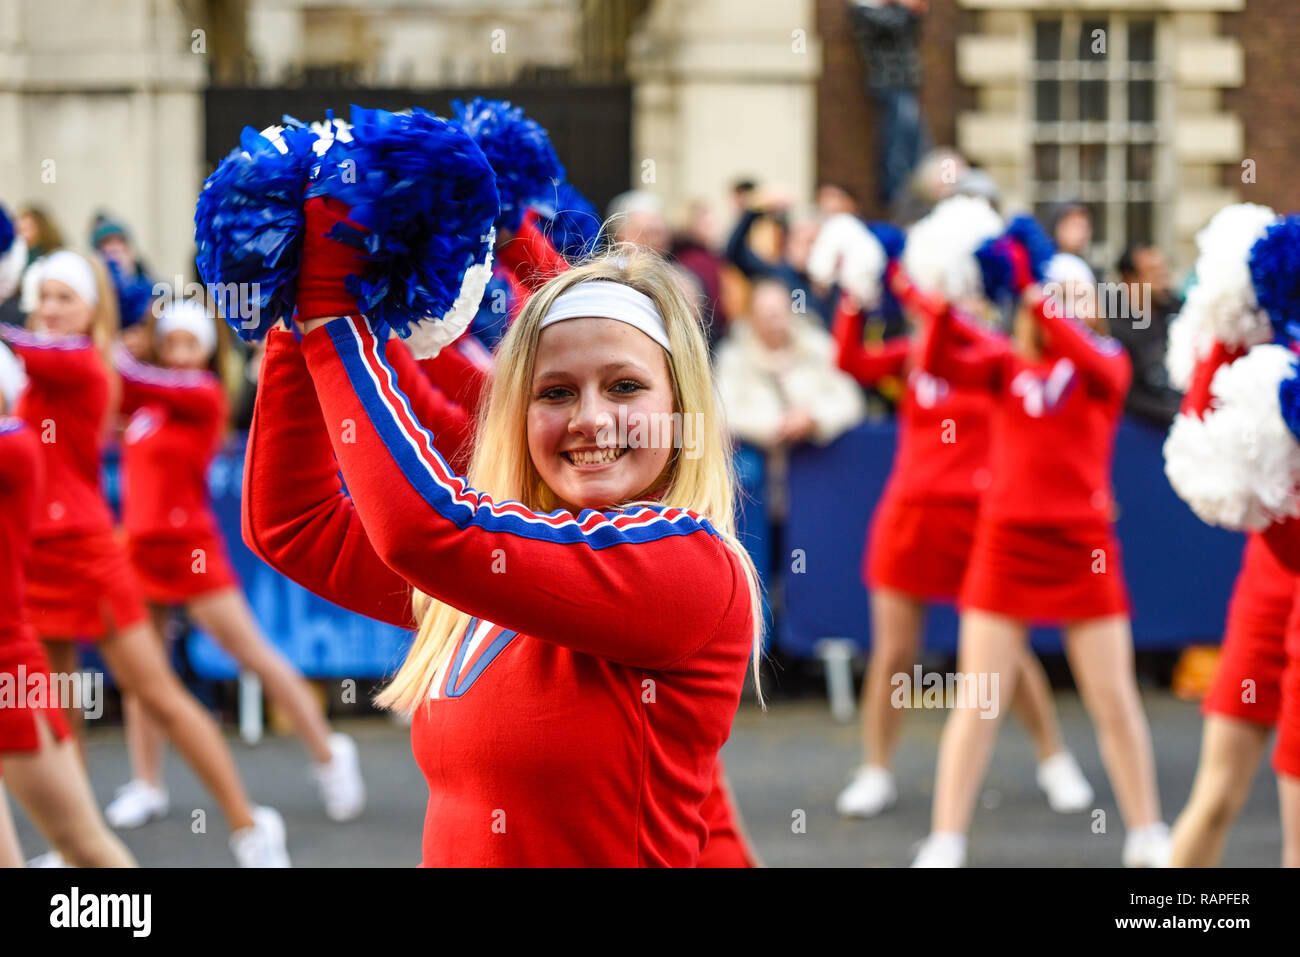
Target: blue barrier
1179,570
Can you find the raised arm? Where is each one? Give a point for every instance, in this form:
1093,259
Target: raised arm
55,360
191,394
645,587
451,423
868,366
463,371
1101,360
296,516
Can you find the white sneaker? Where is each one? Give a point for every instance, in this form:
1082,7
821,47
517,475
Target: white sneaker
1068,791
48,859
871,791
339,780
1148,846
137,803
262,844
942,849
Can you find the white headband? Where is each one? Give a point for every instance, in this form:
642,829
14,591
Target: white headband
73,271
186,315
605,299
13,378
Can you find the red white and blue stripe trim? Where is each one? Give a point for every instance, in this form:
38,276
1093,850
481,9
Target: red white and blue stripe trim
25,339
133,370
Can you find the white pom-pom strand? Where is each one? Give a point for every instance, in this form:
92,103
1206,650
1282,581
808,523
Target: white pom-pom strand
1239,466
939,256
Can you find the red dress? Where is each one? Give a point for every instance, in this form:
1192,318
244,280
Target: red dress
924,524
80,583
1045,549
25,686
582,727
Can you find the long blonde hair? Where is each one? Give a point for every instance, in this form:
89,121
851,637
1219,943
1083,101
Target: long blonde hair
502,466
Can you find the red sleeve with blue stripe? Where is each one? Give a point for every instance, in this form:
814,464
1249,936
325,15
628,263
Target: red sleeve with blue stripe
190,394
452,423
645,587
1102,361
296,515
55,360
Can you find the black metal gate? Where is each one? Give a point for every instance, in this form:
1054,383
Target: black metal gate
590,124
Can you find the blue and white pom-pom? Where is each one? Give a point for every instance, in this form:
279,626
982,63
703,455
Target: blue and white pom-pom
248,226
570,222
1275,275
997,270
1226,297
519,151
1239,466
13,256
423,189
939,256
848,253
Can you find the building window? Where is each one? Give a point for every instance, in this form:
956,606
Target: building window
1097,94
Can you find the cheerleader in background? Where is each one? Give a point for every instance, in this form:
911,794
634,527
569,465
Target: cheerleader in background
38,757
1045,551
80,581
177,419
917,552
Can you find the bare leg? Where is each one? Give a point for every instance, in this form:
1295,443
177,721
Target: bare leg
65,658
989,645
1288,792
53,789
145,742
1230,753
141,669
1101,657
225,615
11,852
895,637
1034,706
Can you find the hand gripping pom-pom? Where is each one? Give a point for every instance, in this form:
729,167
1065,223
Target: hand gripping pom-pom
424,198
519,151
248,228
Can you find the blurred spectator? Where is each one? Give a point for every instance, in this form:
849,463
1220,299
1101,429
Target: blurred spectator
833,198
887,33
789,265
777,377
637,216
1071,229
39,232
695,249
742,194
975,182
110,239
935,179
1150,305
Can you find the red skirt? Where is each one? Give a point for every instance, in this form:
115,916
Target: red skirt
1248,680
920,548
1286,753
25,692
81,587
1045,574
175,571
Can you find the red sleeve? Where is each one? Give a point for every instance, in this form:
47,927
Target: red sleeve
450,423
1283,540
1101,360
529,255
190,394
645,587
20,455
55,360
1196,401
969,331
462,371
868,366
979,365
296,516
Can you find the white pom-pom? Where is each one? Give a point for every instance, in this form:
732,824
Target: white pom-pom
1227,227
1239,466
13,378
939,256
12,264
428,338
1224,288
1188,342
847,253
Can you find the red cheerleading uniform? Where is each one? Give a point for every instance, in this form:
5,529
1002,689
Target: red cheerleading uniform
1286,753
924,524
583,766
80,583
21,656
1045,549
1254,641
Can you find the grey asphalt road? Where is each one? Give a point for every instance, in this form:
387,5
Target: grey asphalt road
793,758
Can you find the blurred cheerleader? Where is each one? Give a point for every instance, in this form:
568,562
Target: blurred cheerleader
80,582
1045,551
917,552
176,425
38,758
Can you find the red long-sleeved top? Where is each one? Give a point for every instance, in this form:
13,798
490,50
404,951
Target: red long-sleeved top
67,404
942,446
22,473
606,700
1054,420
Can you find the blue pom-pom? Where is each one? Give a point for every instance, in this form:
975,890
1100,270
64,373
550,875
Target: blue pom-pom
1288,395
996,269
890,237
133,295
1275,274
425,191
248,228
519,150
1026,231
6,231
571,222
